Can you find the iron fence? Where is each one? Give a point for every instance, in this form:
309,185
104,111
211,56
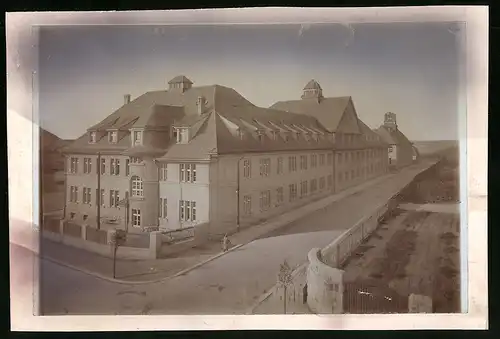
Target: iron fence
372,298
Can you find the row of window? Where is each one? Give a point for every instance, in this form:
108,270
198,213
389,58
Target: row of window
265,164
187,209
358,155
114,167
187,172
114,196
113,137
360,171
265,196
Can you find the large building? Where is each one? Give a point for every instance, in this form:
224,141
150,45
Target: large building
401,150
360,154
188,155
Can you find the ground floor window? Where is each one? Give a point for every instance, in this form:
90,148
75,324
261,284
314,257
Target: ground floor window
136,217
162,208
187,210
265,200
247,204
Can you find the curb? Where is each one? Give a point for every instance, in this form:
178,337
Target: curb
127,282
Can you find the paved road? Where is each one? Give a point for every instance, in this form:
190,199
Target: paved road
228,285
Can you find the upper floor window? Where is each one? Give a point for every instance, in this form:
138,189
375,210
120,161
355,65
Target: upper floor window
135,160
137,186
163,172
113,137
103,166
330,159
87,165
247,169
314,160
265,165
73,165
137,137
187,172
280,165
115,167
292,164
303,162
321,159
92,137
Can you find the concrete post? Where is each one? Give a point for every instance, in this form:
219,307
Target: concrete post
84,231
61,227
154,244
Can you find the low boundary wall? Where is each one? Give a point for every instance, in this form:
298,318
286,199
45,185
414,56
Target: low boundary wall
97,241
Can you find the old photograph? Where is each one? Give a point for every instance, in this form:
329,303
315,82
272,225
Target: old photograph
252,169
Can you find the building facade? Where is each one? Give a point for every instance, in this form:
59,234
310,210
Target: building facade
401,150
188,155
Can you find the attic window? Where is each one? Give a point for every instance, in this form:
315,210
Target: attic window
137,135
113,137
260,135
274,134
92,137
182,135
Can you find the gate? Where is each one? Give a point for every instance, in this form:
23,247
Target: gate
372,298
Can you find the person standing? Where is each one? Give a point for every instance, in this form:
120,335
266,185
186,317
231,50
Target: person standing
225,243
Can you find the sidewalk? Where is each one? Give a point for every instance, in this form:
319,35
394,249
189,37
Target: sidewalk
153,270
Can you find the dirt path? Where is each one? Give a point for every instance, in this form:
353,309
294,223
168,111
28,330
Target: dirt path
415,252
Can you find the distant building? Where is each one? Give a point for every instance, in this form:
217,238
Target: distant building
190,155
416,153
400,148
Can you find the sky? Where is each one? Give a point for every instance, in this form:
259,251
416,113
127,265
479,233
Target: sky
410,69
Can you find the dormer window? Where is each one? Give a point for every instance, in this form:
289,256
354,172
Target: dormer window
274,134
182,136
260,135
137,137
92,137
113,137
241,134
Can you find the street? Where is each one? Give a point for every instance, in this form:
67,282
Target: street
227,285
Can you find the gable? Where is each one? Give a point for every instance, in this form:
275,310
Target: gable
349,120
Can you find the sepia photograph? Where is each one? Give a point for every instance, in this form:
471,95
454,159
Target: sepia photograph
250,169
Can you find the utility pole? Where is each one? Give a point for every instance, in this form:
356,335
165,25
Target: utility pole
99,190
238,194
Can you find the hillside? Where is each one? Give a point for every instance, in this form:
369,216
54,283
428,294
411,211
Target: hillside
428,147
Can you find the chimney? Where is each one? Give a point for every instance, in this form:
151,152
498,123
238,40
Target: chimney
201,102
126,99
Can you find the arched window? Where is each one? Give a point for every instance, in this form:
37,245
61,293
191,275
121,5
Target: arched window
137,188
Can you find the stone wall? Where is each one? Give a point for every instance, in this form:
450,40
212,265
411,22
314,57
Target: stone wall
96,242
324,285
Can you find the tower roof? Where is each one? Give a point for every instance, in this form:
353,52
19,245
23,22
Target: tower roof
312,84
180,79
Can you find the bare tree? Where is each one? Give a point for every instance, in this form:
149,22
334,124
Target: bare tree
118,238
285,280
